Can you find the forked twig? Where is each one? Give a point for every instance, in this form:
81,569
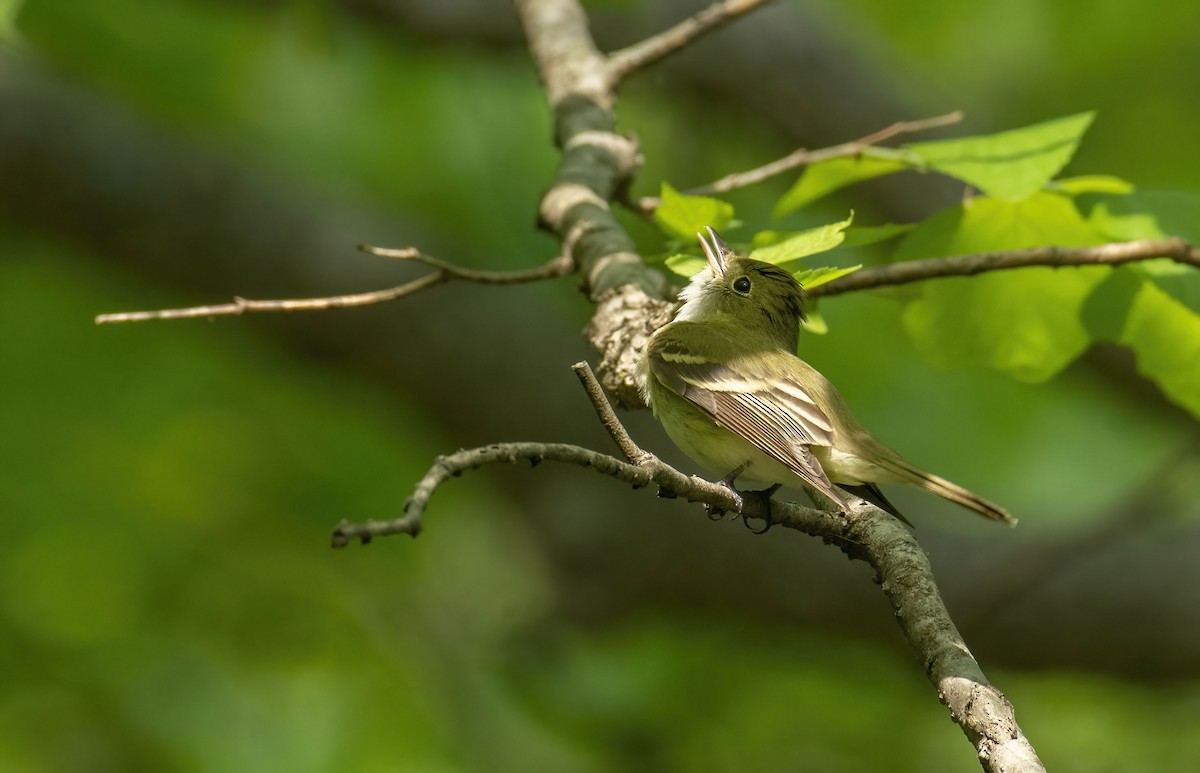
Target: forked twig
445,272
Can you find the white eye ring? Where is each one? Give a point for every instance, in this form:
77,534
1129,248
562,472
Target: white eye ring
742,285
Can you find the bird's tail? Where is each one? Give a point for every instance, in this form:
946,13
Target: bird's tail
953,492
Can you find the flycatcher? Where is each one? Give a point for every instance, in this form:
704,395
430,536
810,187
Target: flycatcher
725,381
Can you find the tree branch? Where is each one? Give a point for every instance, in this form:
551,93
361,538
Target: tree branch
445,272
968,265
984,714
616,430
802,157
555,267
623,62
632,300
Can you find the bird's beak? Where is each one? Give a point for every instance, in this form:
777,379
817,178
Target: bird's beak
716,250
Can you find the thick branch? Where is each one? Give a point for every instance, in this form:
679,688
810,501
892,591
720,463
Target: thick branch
968,265
983,712
597,165
445,272
802,157
596,161
626,60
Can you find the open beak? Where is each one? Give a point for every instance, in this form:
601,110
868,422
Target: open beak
715,249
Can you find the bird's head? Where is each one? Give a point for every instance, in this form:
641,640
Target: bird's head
757,298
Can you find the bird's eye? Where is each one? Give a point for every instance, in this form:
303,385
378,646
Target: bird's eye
742,284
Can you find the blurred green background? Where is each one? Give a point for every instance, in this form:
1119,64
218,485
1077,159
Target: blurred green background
168,599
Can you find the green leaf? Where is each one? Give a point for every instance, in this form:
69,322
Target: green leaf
864,235
804,243
1156,215
814,323
1010,165
767,238
683,216
1165,337
1092,183
825,177
815,277
686,265
1149,214
1106,310
1153,306
1124,227
1024,322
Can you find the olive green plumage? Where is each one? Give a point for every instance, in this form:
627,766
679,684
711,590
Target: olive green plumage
724,380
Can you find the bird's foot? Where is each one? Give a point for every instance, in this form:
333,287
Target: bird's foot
769,519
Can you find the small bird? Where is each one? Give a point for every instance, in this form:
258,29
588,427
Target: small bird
724,379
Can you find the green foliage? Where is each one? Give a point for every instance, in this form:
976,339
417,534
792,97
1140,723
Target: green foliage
794,247
1091,183
682,216
781,249
1153,307
815,277
1165,336
861,236
1033,322
1025,322
1009,165
686,265
1030,323
825,177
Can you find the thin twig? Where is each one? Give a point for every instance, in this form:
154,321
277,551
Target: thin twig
445,272
968,265
802,157
616,430
626,60
554,268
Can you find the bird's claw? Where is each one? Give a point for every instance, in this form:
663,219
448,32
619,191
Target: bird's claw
769,518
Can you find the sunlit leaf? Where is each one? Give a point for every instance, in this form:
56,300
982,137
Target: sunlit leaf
814,323
685,265
825,177
1092,183
801,244
871,234
1024,322
767,238
1012,164
683,216
815,277
1165,336
1149,214
1156,215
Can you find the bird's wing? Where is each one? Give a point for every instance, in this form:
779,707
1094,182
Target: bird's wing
775,415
